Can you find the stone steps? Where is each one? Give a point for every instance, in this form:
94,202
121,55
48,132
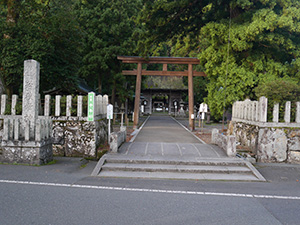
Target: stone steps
173,168
208,169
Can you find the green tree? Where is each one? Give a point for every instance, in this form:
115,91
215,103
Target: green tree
40,30
108,27
264,43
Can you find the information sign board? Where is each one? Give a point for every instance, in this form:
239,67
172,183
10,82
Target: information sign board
110,111
91,104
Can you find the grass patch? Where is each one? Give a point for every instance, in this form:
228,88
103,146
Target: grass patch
54,161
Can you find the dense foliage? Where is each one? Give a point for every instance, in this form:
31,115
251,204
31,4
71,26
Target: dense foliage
264,41
245,47
107,27
44,31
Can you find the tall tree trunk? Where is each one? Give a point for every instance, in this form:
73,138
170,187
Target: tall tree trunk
100,84
113,93
13,7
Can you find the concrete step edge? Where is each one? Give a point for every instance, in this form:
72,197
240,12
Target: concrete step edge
178,169
176,162
184,176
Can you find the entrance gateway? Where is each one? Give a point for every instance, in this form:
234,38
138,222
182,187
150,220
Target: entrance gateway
190,73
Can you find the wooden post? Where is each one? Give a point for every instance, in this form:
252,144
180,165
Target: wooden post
137,96
191,97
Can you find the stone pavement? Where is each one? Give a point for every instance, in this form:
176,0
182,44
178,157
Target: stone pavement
164,149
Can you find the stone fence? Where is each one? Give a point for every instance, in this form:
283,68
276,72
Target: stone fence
76,131
255,112
271,140
99,106
32,135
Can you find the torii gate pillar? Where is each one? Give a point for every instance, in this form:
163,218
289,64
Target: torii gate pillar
191,98
137,96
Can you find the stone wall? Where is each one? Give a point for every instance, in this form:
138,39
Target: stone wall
78,137
245,134
227,143
270,144
271,139
116,139
70,137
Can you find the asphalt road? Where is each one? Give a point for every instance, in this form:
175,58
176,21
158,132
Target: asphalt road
64,193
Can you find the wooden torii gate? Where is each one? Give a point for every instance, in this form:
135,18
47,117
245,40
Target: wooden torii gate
190,73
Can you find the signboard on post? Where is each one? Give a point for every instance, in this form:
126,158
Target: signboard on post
91,105
110,112
109,116
202,109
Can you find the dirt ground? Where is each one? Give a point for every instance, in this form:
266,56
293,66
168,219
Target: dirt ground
206,137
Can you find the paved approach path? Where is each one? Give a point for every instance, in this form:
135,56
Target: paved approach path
164,129
164,136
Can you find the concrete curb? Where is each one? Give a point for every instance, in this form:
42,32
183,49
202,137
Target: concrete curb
99,165
189,131
255,171
138,130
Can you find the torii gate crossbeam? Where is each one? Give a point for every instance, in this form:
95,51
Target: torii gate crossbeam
165,61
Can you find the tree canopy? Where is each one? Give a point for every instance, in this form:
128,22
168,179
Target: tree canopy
263,44
40,30
242,45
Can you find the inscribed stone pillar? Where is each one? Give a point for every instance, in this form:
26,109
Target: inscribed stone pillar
31,90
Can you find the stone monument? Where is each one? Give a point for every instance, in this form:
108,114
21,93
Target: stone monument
27,138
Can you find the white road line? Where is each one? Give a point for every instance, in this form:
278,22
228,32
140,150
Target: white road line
179,149
162,149
146,149
197,150
218,155
127,150
152,190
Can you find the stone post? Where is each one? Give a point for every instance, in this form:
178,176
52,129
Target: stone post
101,105
69,105
13,104
263,109
256,111
105,102
57,105
287,113
79,105
47,105
3,103
276,113
298,112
